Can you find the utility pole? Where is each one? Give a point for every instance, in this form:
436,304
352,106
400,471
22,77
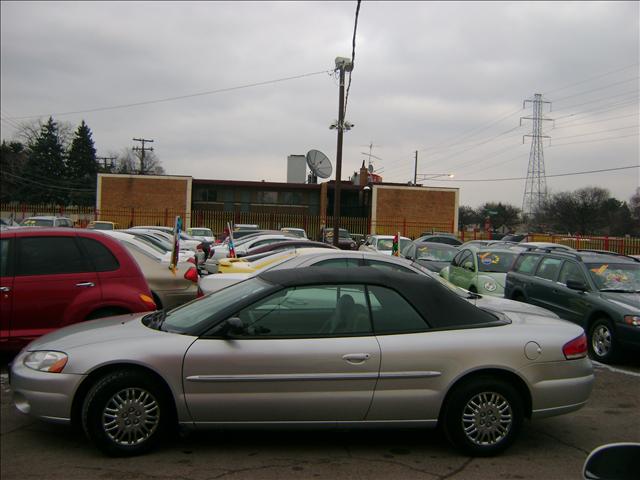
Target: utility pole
342,65
415,171
142,150
535,190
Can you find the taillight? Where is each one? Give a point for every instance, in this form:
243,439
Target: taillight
576,348
148,300
191,260
192,275
200,247
200,292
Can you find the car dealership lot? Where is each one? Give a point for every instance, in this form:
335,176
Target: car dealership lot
553,448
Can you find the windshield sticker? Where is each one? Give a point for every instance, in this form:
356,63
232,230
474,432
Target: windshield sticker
600,270
489,259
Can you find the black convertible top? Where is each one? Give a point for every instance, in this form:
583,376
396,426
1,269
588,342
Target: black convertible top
441,307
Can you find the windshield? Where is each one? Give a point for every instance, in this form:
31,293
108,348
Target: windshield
436,252
37,222
201,232
193,316
454,288
495,262
620,277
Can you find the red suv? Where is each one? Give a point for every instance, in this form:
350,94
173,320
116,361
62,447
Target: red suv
53,277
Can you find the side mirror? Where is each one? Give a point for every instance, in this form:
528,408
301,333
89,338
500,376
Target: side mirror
577,285
616,461
230,326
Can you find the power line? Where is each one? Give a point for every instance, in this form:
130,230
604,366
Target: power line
48,185
599,131
180,97
548,176
597,89
563,126
591,79
594,141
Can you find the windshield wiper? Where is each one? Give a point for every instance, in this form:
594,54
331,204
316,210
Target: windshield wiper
155,320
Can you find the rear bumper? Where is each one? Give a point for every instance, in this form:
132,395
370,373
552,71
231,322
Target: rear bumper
559,387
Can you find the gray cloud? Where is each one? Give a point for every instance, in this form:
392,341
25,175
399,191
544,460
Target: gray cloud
430,76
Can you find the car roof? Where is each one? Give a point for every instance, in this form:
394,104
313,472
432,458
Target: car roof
587,256
440,306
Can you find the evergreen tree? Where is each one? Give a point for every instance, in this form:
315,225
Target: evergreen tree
82,167
44,176
13,157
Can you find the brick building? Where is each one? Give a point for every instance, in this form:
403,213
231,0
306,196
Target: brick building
369,207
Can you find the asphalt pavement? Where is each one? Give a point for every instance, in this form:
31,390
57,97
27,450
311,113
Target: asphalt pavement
549,449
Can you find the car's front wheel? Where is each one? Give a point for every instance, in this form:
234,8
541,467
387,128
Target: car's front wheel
125,413
602,341
482,417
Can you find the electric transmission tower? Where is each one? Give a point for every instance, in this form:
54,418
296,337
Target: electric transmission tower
535,190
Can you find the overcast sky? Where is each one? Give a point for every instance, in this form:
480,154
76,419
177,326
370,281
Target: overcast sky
446,79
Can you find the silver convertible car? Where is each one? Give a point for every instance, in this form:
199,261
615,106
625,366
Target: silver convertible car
308,347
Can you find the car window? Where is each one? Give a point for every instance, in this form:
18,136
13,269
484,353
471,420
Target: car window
571,271
387,266
384,244
495,262
338,262
465,260
616,277
319,310
457,259
100,256
391,313
439,253
525,263
49,255
37,222
548,268
5,266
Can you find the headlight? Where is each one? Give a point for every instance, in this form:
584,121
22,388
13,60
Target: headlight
490,286
633,320
52,362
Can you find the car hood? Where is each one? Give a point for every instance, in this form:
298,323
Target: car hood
102,330
628,301
511,306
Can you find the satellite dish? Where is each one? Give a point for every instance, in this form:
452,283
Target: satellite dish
319,164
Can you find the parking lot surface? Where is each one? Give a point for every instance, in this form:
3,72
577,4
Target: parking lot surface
553,448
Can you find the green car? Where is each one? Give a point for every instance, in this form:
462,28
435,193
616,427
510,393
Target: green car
598,290
480,270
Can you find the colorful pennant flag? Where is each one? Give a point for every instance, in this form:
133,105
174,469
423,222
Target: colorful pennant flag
175,252
232,250
395,249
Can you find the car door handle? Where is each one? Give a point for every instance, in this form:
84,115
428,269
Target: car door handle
356,357
5,289
85,284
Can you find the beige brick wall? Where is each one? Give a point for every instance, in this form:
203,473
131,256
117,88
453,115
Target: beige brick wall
118,193
412,210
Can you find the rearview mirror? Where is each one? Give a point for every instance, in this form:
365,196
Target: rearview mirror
616,461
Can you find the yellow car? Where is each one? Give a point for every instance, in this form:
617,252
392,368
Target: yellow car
240,265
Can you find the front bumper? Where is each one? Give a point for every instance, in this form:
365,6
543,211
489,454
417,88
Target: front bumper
47,396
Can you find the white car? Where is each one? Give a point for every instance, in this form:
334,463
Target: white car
149,247
202,234
241,246
186,241
298,232
383,244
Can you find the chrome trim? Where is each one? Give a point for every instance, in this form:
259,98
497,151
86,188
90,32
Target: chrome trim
294,377
85,284
404,375
283,377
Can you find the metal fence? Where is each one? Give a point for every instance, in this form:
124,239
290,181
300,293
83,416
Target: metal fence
312,224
